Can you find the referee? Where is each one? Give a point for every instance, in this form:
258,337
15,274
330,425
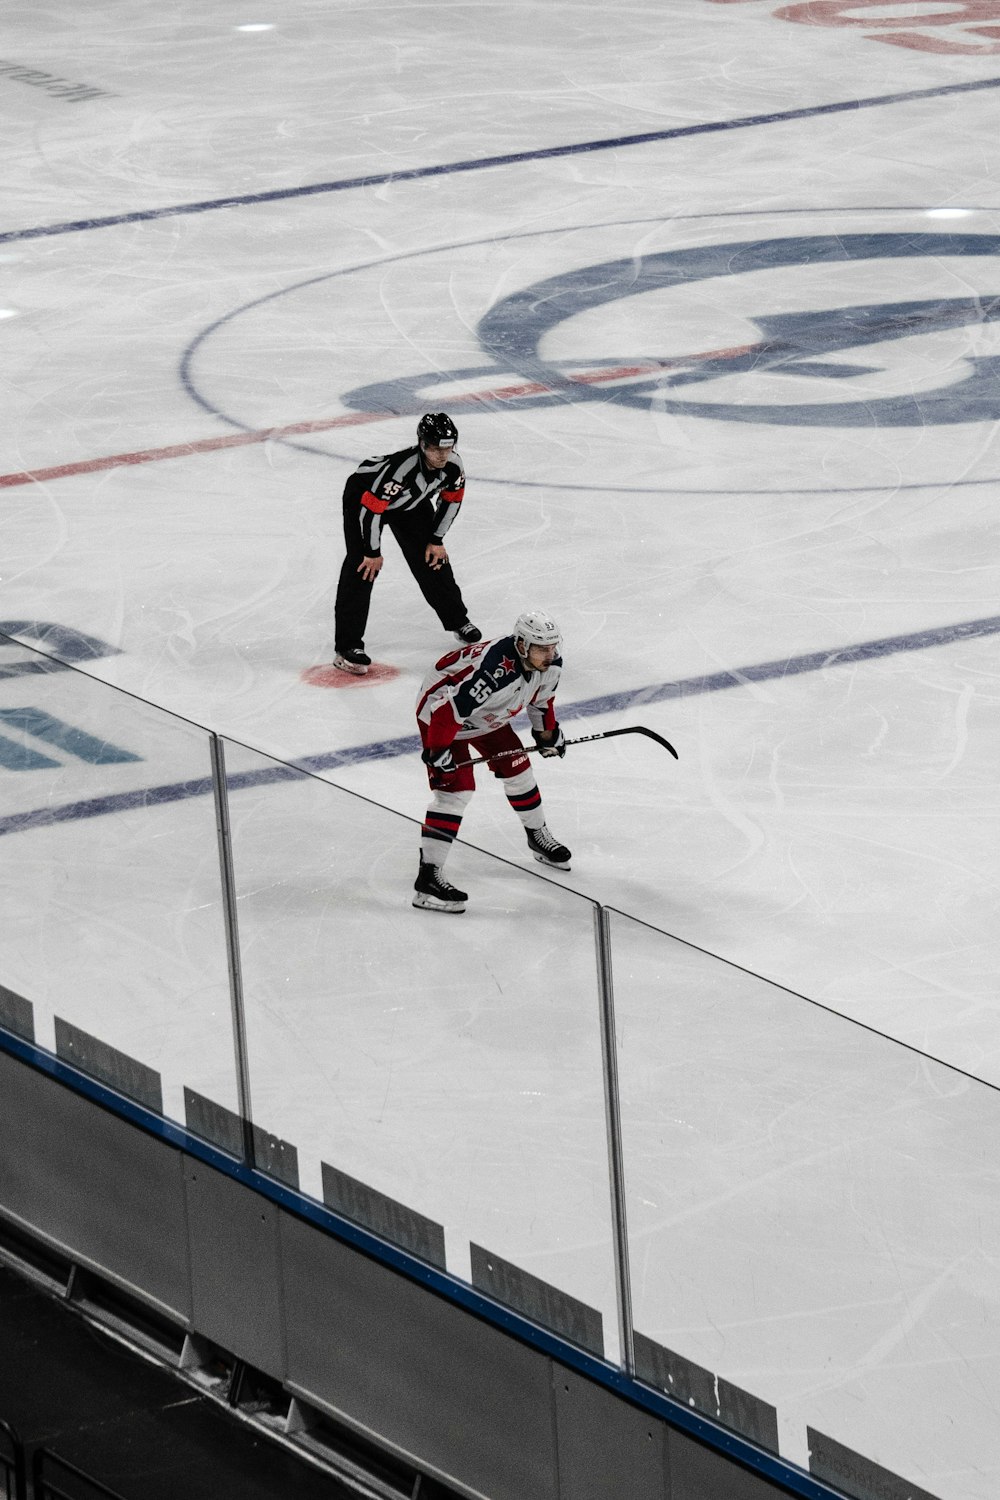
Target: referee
416,492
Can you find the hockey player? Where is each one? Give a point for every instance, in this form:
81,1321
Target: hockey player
466,703
416,492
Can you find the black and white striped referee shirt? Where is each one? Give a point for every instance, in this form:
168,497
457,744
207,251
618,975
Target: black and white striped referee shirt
397,482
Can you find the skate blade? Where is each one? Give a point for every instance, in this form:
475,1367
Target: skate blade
349,666
434,903
553,864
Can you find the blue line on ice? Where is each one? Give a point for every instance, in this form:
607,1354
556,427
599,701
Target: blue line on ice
481,163
632,698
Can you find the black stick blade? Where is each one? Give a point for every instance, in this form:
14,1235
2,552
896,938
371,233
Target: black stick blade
659,740
641,729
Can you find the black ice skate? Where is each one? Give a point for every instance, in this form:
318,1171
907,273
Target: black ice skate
468,634
433,893
353,660
546,849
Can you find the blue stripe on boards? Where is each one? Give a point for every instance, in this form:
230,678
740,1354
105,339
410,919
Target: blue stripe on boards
482,163
687,687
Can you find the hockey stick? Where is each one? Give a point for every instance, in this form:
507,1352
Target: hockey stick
606,734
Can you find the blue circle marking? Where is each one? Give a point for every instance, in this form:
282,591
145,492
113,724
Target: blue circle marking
801,344
791,343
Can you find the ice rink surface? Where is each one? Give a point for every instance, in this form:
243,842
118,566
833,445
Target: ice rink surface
712,291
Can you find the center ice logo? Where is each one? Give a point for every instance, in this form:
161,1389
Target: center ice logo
795,344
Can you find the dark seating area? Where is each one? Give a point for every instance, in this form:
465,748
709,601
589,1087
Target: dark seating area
85,1417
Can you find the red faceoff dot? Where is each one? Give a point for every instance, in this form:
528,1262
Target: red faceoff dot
330,676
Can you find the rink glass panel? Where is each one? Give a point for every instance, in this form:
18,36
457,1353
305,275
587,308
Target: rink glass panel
433,1072
112,925
813,1216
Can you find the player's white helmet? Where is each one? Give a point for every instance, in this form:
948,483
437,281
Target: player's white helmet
536,627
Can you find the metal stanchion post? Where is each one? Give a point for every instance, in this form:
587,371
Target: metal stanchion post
219,788
616,1162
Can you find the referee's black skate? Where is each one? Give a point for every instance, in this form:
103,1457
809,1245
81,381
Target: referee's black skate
468,634
432,892
546,849
353,660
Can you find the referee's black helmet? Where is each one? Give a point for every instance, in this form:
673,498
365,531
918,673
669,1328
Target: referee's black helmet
437,430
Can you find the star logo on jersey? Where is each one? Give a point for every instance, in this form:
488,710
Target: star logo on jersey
505,668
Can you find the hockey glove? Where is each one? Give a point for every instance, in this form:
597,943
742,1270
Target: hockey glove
442,761
550,741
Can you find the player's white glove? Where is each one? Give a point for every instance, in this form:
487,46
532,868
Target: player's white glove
442,760
550,741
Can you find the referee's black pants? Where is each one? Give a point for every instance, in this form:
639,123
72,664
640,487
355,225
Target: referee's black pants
412,530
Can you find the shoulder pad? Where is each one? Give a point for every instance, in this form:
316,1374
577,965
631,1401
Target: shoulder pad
500,666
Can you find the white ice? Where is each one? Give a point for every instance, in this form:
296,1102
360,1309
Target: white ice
809,1060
